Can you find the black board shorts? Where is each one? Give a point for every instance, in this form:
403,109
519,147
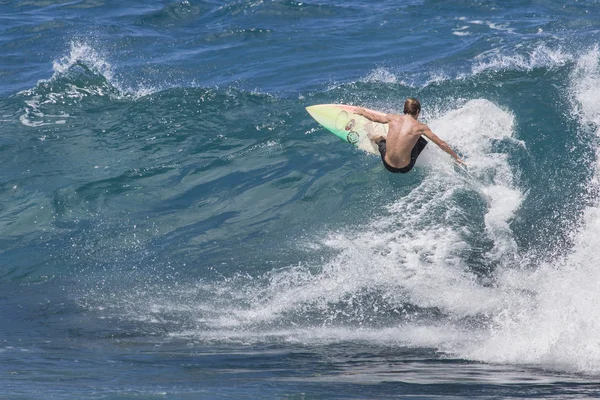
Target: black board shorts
417,149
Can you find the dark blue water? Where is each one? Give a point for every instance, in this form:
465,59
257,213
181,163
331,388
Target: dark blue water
173,224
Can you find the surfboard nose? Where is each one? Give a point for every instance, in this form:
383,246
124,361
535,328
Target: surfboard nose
312,110
322,112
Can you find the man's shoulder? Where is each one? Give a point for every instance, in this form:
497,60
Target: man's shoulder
393,116
396,117
421,126
418,129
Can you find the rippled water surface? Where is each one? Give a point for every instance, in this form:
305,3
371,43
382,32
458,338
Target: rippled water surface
173,224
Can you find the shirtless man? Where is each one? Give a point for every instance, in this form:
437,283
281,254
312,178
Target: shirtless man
404,143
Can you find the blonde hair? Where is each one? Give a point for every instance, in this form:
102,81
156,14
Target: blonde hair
412,107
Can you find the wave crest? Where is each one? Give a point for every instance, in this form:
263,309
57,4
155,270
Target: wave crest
82,73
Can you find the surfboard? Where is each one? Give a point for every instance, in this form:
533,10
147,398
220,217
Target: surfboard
352,128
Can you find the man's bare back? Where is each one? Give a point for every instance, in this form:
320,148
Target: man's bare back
403,133
404,137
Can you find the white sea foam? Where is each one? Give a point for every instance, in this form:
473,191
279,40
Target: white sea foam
473,128
461,33
557,323
540,57
495,60
82,52
585,81
381,75
500,27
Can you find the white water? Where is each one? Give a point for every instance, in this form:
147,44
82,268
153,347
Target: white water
539,57
558,323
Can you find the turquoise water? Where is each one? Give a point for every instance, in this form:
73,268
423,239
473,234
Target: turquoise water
173,224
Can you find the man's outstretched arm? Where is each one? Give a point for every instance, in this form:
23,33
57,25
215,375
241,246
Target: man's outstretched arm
443,145
372,116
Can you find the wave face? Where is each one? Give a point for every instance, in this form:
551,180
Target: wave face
164,188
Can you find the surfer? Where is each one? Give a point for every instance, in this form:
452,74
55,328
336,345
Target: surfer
404,137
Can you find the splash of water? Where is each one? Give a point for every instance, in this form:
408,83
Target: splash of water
83,72
557,322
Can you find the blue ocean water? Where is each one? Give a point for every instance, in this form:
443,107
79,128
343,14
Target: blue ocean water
173,224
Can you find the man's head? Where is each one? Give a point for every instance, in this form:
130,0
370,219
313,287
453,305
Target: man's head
412,107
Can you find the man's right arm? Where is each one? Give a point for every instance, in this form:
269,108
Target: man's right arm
372,116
